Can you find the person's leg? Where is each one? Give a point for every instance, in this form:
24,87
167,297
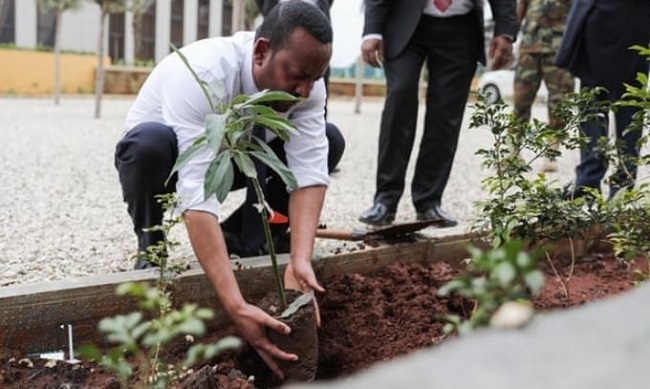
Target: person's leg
628,137
528,77
396,133
336,146
592,167
144,158
451,62
559,83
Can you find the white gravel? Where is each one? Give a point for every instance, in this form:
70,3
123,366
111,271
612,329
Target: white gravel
62,214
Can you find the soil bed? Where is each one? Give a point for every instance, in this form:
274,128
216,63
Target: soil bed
367,319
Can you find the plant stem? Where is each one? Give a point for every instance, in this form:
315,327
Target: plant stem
269,241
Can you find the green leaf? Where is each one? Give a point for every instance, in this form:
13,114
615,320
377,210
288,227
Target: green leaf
245,164
272,161
219,177
201,352
215,129
266,96
298,303
534,280
199,144
192,326
451,286
279,125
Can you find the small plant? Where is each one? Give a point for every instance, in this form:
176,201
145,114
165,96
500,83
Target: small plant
493,277
522,205
143,340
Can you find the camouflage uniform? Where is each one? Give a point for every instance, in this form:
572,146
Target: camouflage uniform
541,35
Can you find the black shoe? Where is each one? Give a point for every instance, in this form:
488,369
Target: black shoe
377,215
435,213
142,263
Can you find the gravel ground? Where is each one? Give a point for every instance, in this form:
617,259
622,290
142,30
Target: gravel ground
62,212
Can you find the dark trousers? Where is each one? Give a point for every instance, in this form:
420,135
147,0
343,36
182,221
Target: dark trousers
450,49
145,157
593,166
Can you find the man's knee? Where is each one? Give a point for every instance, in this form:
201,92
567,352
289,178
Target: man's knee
336,146
147,146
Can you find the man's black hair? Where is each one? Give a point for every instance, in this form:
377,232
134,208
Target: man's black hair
286,17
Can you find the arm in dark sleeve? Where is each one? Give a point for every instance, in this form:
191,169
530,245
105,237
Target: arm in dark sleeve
505,17
375,16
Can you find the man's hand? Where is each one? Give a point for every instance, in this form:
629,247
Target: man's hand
372,51
300,276
501,52
251,322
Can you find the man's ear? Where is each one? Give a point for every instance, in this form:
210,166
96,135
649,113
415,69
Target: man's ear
261,50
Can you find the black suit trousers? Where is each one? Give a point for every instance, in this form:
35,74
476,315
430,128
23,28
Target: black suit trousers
449,48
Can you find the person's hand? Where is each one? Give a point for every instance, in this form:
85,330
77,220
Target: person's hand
501,52
251,322
299,275
372,51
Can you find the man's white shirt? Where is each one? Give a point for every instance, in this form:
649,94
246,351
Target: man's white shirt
172,96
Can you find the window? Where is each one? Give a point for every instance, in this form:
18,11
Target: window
46,20
203,21
176,34
116,36
226,18
7,21
145,42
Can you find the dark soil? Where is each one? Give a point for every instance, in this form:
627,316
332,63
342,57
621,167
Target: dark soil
368,319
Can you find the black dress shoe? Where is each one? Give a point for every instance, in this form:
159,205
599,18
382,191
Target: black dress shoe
377,215
142,263
435,213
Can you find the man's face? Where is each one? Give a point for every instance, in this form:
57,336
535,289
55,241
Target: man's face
292,69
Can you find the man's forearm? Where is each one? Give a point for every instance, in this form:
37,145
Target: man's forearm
210,248
305,207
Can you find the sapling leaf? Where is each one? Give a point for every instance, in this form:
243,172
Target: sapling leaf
267,95
219,177
245,164
198,145
298,303
281,125
215,129
201,352
272,161
192,326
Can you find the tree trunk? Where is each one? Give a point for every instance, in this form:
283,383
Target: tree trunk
99,75
137,35
1,19
57,58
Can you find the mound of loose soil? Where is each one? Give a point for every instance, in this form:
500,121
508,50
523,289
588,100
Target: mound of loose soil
367,319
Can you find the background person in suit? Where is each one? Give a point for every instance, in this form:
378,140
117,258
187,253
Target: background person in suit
449,37
595,48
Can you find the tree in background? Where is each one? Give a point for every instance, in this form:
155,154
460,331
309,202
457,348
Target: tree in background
107,7
59,6
138,8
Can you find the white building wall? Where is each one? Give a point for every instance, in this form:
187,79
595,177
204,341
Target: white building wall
129,39
190,21
26,23
216,18
80,28
163,28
